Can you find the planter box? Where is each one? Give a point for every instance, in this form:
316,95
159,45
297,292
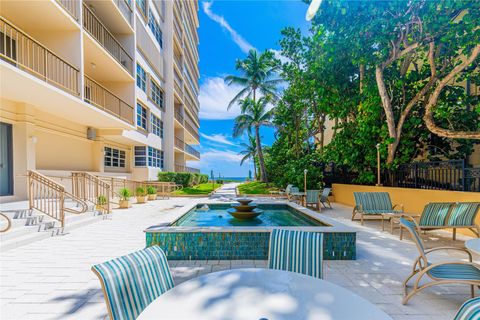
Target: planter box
124,204
142,199
152,197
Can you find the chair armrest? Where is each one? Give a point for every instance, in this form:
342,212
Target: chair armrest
450,248
399,205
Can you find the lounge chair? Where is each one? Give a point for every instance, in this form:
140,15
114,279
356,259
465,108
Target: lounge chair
470,310
313,199
448,272
324,197
291,193
373,204
131,282
449,215
296,251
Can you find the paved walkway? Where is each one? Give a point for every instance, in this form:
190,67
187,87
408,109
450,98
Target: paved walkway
51,278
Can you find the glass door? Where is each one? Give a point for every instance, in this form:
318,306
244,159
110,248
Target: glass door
6,160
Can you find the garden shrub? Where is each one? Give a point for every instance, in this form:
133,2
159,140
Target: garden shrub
185,179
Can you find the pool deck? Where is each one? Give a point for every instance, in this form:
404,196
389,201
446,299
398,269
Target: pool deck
51,278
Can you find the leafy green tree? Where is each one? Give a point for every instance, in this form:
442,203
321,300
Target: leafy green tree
258,74
249,152
255,114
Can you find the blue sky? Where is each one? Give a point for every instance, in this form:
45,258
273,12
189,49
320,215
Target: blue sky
228,29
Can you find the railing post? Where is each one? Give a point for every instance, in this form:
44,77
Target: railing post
464,176
415,168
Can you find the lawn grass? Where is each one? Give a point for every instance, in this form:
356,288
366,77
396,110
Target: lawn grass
201,189
255,187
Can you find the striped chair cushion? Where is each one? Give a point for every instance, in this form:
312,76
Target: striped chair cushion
133,281
325,194
412,228
434,214
374,202
455,271
470,310
463,214
294,190
296,251
313,196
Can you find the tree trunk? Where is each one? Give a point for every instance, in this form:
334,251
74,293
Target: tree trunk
432,102
261,161
387,107
254,168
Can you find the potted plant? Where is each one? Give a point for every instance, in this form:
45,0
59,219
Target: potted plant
101,203
141,195
152,193
125,195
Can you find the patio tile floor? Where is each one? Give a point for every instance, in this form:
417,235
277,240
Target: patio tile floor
51,278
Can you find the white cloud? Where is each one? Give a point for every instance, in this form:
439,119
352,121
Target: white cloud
220,138
222,155
279,56
214,98
244,45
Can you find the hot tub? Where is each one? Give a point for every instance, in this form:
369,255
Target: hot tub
212,234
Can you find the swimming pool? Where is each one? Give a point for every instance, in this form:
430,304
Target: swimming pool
215,235
217,216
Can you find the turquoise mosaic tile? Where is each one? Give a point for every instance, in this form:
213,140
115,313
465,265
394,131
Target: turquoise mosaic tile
239,245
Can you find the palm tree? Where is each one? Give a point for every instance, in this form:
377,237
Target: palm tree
250,152
254,115
257,74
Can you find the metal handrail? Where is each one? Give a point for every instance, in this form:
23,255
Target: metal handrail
191,150
26,53
179,143
106,100
9,223
179,116
48,197
91,189
191,130
70,6
97,30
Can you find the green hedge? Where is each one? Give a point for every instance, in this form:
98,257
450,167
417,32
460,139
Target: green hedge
186,179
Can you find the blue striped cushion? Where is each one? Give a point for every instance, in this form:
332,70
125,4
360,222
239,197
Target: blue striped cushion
294,190
464,214
455,271
470,310
374,202
313,196
434,214
412,228
133,281
296,251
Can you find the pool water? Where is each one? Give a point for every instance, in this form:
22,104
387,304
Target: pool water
273,215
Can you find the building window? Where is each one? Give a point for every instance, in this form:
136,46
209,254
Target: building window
156,125
156,94
140,157
155,158
155,27
114,158
142,117
141,78
142,5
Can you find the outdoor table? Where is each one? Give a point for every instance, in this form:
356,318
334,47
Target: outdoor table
473,245
300,196
394,218
260,294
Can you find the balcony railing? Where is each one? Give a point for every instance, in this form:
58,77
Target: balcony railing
71,6
102,98
178,61
191,150
25,53
179,143
98,31
125,7
179,168
177,82
191,130
192,170
178,30
179,116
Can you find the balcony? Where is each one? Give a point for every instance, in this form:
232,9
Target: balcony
22,51
192,170
191,150
179,143
71,6
100,33
179,116
177,29
178,83
191,130
102,98
125,7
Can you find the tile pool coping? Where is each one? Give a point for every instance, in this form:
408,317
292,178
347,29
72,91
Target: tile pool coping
246,242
